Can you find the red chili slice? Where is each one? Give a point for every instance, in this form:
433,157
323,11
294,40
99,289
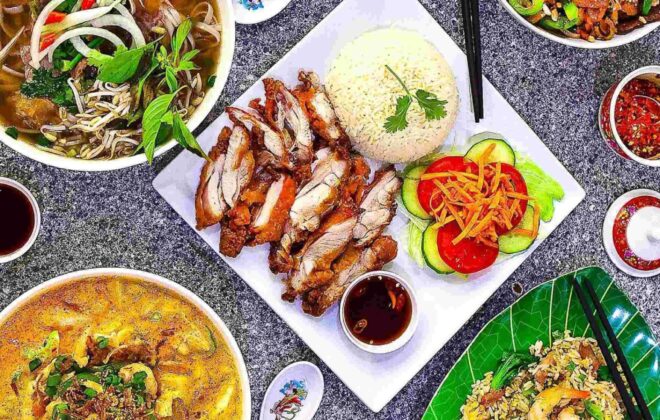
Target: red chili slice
520,186
55,17
47,41
426,188
87,4
468,256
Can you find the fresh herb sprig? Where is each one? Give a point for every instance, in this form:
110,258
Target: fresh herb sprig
161,118
434,108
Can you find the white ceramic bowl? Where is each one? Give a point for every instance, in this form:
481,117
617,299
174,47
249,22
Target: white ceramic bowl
407,334
228,42
162,282
617,41
37,220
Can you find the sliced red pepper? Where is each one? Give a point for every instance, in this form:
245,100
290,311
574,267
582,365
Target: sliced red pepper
87,4
47,41
55,17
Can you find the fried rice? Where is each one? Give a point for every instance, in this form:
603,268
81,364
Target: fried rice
568,380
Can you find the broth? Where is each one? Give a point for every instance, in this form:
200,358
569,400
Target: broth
193,366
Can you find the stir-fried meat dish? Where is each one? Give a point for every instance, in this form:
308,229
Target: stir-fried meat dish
590,20
285,175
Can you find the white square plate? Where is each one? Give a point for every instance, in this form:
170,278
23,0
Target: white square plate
445,304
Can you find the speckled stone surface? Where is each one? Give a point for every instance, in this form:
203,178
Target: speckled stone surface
118,219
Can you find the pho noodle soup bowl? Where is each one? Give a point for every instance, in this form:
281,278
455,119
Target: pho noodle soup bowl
616,41
70,300
616,106
225,53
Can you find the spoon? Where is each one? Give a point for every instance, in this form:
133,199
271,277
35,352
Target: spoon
295,393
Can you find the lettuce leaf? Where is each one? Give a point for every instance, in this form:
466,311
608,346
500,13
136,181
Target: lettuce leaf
541,186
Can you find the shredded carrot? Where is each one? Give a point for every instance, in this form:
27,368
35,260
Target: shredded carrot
537,216
486,154
513,194
524,232
433,175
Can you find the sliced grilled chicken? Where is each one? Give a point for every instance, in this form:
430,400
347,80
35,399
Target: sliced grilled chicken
270,219
377,207
319,109
239,165
357,180
234,230
314,200
284,111
313,262
273,141
210,206
352,264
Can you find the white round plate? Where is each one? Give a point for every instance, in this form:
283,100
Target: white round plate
617,41
608,239
227,44
304,372
270,8
162,282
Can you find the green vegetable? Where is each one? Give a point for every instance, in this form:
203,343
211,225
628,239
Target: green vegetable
214,343
59,412
49,347
572,11
102,342
434,108
646,7
68,65
562,23
180,37
604,374
571,366
432,253
185,138
66,6
86,376
541,186
43,141
151,123
90,393
119,68
170,78
211,81
508,368
415,244
534,7
54,379
34,364
594,410
45,85
12,132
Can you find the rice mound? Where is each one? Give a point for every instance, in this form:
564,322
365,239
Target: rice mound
364,93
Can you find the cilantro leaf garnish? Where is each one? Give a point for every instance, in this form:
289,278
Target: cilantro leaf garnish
434,108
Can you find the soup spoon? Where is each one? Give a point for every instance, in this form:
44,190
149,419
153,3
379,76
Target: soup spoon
295,393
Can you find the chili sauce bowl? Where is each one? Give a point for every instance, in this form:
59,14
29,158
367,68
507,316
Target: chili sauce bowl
22,246
607,117
406,331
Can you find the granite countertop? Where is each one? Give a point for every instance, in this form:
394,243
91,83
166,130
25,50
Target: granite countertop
117,219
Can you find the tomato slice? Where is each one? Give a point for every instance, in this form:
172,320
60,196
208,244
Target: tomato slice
520,186
426,188
468,256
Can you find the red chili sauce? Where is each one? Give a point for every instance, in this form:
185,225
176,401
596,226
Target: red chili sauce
621,226
637,116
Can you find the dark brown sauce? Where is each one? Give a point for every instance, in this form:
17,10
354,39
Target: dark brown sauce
16,219
378,310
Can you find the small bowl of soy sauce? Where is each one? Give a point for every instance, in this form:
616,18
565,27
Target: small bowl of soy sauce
20,220
378,312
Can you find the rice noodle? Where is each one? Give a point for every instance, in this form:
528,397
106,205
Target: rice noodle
214,30
76,95
13,10
13,72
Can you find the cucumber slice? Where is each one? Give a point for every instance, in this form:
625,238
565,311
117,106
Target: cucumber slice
512,243
431,254
501,153
409,192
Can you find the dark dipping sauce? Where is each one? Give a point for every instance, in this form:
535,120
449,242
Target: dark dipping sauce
16,219
378,310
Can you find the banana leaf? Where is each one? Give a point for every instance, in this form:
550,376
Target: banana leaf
552,307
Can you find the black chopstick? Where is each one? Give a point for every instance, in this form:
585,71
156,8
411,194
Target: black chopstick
621,358
618,381
471,42
477,52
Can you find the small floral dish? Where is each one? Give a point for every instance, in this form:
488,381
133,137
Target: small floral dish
249,12
295,393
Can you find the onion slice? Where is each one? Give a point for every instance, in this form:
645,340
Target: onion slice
36,31
103,33
123,22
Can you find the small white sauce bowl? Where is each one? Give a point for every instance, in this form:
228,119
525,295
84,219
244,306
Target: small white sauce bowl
403,338
37,220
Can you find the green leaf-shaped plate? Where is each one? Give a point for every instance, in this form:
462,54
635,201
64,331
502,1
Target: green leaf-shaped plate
552,306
